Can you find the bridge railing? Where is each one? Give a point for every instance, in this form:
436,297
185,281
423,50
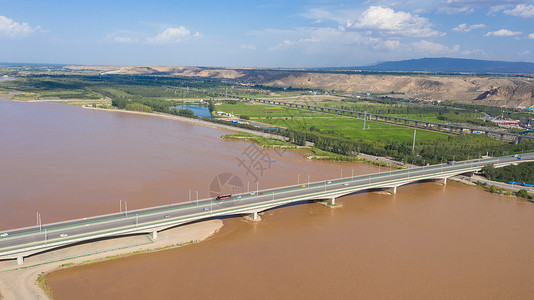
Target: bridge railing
372,181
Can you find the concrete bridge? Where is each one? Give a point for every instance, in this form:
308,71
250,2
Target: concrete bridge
23,242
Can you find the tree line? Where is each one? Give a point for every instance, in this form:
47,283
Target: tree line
521,173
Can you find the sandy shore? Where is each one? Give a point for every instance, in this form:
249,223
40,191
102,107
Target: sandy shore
193,121
20,281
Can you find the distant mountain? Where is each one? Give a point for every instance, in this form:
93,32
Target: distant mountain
449,65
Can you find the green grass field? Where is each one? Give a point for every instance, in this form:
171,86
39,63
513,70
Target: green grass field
350,127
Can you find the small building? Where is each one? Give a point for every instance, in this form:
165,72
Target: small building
527,122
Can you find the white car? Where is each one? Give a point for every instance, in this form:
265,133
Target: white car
329,182
206,208
4,234
63,235
345,184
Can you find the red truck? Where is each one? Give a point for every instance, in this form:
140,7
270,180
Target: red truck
223,197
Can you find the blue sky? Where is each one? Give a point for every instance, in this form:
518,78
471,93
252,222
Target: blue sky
265,33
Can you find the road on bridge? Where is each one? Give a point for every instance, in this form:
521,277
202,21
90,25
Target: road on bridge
88,228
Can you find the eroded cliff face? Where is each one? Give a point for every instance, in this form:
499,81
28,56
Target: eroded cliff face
497,91
519,95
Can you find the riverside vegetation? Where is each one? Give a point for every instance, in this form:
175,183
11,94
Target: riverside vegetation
342,138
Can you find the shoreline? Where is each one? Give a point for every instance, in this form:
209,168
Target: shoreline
24,282
192,121
363,158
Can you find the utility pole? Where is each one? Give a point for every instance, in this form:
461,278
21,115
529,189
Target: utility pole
413,146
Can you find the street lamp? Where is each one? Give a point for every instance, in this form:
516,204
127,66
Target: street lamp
39,221
308,181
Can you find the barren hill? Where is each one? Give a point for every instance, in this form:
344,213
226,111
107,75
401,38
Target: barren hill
489,90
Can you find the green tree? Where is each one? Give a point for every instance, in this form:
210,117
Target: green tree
489,172
211,106
522,193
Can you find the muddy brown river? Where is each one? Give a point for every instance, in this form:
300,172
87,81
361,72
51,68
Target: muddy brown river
427,241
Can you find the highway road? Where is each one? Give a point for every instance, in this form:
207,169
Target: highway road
86,228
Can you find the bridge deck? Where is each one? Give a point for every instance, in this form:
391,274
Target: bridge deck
30,240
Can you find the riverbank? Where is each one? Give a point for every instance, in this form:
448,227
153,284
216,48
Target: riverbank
193,121
269,140
21,282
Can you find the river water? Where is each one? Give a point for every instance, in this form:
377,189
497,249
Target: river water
66,162
427,241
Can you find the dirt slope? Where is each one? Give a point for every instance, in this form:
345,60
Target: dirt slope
497,91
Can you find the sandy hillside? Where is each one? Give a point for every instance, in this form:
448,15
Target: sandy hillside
495,90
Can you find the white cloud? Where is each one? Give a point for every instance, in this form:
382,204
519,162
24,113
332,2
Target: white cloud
123,39
173,35
297,43
503,32
12,29
521,10
531,36
464,28
388,45
247,47
427,47
477,26
314,40
461,28
387,20
340,16
474,53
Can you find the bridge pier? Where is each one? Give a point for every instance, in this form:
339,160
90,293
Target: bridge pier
154,234
331,201
20,260
443,181
254,217
392,190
